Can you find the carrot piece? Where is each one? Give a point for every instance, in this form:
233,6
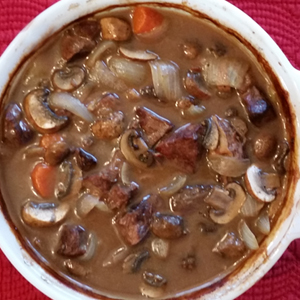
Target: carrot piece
43,179
145,19
49,139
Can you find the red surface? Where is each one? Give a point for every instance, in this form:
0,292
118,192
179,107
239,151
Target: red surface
281,19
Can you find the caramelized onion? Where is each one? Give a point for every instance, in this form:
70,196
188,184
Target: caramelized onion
248,236
166,80
228,166
68,102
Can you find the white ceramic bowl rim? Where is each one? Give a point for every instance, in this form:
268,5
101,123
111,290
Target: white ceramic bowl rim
226,14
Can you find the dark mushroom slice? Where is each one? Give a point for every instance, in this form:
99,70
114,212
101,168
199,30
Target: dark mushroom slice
133,262
135,150
69,78
153,285
56,153
211,138
73,241
39,114
44,214
85,160
247,236
195,85
167,226
16,130
64,179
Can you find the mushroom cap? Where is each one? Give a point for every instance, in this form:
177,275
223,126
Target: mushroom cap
255,186
40,116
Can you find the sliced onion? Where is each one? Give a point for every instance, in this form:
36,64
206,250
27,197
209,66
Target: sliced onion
177,183
138,54
224,71
98,51
194,111
91,248
263,223
248,236
124,173
227,165
160,248
68,102
211,139
115,256
251,207
102,206
130,71
100,73
166,80
85,205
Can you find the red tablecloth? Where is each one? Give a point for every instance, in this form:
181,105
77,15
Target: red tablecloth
281,19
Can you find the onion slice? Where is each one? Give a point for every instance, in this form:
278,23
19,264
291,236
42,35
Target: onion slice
138,54
248,236
227,165
98,52
72,104
177,183
263,223
251,207
166,80
85,205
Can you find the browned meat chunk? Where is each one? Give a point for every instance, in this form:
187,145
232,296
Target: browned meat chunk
258,107
73,241
99,184
119,195
74,44
167,226
134,225
265,145
16,130
56,153
183,147
230,246
101,105
115,29
109,127
154,126
195,85
80,39
189,198
85,160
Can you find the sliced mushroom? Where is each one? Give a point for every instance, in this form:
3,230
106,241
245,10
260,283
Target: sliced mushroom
41,117
133,261
177,183
138,54
43,214
69,78
85,160
75,268
254,184
135,149
232,208
64,179
211,139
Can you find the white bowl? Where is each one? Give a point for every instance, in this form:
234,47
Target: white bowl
287,227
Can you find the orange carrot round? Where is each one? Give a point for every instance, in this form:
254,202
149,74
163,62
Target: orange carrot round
43,179
146,19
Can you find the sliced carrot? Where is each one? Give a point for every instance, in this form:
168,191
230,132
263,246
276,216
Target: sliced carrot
43,179
50,139
146,19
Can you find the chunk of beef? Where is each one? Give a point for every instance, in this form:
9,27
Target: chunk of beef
230,143
109,127
74,44
258,107
154,126
85,160
115,29
189,198
167,226
119,195
99,184
134,225
183,147
56,153
230,246
73,241
80,39
16,130
195,85
101,105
